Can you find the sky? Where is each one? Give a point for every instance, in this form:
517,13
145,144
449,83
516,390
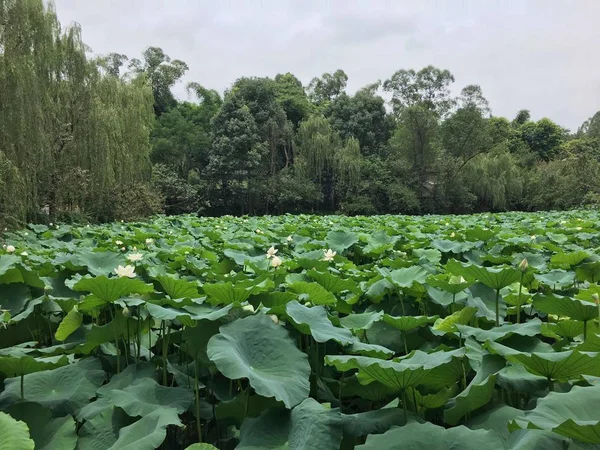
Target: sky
540,55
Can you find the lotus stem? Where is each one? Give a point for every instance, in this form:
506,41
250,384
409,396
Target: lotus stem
519,305
197,394
22,386
112,317
404,406
405,346
247,400
497,307
585,329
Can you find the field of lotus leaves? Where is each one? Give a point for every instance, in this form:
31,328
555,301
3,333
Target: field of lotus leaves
303,332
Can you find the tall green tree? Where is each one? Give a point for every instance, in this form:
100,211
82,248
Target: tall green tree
362,116
325,89
162,73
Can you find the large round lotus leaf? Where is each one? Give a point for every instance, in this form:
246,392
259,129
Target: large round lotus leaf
63,390
408,323
417,436
201,447
14,434
145,395
573,414
258,349
147,433
436,370
110,289
314,321
560,366
308,426
47,432
565,306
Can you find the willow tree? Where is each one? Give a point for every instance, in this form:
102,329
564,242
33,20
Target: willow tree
324,158
70,131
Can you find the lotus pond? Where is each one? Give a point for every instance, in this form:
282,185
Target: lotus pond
303,332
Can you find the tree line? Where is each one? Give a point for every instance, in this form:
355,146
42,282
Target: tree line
104,138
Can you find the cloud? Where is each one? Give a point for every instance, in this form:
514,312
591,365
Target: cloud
525,54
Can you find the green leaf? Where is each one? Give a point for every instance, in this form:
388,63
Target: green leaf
449,323
341,240
14,435
102,431
372,422
532,327
418,368
567,260
201,447
308,426
492,277
99,263
408,323
428,436
226,293
71,322
48,433
145,395
554,278
110,289
573,414
362,321
314,293
565,306
9,273
148,432
177,288
332,283
560,366
257,349
479,391
314,321
63,390
406,277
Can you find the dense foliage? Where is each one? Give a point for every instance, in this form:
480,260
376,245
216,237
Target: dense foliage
303,332
98,139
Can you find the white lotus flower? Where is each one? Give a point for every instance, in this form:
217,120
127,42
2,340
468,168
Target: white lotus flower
276,261
127,271
149,241
453,234
134,257
24,254
123,249
578,228
271,252
329,254
26,233
10,248
51,224
248,308
274,318
258,231
290,238
119,243
533,236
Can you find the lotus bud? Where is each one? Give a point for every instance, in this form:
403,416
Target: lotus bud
524,265
47,288
10,248
126,312
274,318
596,298
248,308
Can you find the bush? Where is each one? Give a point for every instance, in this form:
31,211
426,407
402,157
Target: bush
180,197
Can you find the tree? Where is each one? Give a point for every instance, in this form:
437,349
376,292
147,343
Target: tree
362,116
427,88
591,127
325,159
543,137
522,117
325,89
73,133
290,94
162,73
235,155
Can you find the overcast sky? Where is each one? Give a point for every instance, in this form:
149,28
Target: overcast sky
537,55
